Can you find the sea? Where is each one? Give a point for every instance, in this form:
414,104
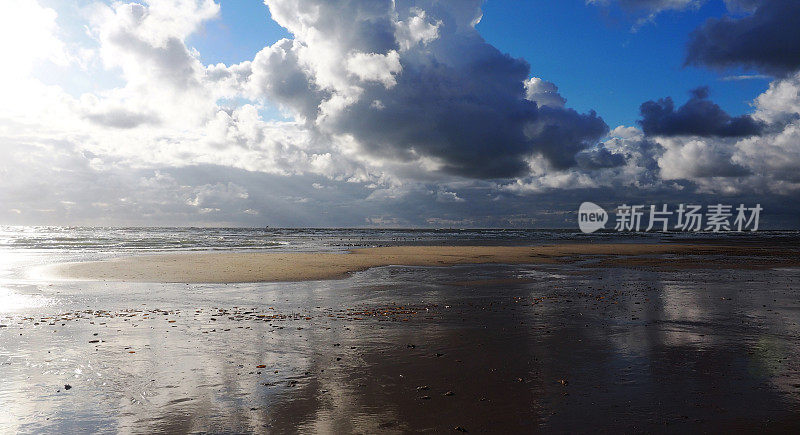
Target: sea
145,239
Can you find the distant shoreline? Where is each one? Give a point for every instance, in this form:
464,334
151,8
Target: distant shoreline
240,267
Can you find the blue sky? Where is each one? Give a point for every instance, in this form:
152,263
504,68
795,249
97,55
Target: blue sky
599,63
593,54
241,30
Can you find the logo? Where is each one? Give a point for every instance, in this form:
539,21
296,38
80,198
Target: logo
714,218
591,217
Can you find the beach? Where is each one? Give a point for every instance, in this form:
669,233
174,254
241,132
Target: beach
397,217
393,336
272,267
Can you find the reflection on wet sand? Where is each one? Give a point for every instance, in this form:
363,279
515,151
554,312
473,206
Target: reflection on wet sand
490,348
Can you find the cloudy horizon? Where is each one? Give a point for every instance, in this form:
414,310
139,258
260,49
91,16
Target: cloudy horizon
399,113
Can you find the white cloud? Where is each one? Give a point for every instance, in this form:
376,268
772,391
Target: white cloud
445,196
30,34
544,93
763,163
385,107
376,67
416,29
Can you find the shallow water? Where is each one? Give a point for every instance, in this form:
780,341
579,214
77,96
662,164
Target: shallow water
395,349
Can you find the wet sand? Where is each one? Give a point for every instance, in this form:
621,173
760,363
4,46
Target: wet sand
491,348
569,338
275,267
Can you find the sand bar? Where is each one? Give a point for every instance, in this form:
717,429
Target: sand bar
266,267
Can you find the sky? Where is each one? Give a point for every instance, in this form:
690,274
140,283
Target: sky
403,113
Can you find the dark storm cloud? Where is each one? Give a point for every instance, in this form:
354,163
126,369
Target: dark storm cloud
277,73
465,106
698,117
454,99
599,158
768,40
472,116
122,118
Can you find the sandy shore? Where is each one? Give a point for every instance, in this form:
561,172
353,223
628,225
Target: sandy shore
651,346
267,267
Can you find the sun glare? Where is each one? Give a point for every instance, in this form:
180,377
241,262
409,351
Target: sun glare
28,36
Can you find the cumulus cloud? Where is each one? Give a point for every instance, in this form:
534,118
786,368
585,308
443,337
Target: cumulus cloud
766,162
543,93
599,158
698,117
416,29
718,153
418,83
396,113
767,40
696,158
147,41
376,67
404,93
29,35
146,44
627,159
781,102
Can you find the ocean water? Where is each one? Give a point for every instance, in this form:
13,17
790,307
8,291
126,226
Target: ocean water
87,239
100,239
